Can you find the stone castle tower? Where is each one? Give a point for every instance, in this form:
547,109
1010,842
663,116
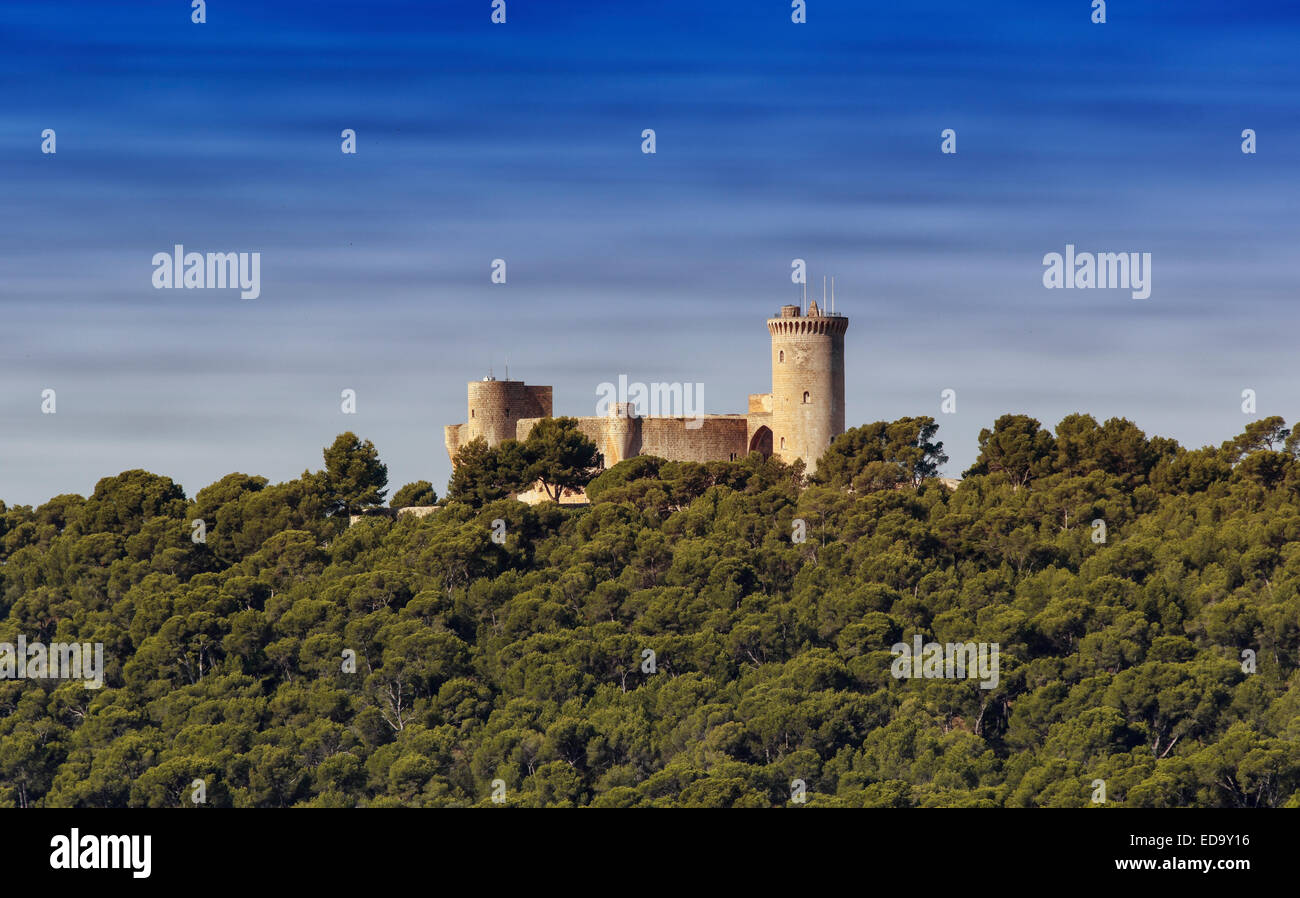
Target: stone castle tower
807,382
798,419
495,409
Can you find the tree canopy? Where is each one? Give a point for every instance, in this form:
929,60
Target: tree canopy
355,478
881,455
555,455
701,635
418,493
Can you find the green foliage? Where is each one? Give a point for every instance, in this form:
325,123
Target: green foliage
555,454
1017,447
558,456
1258,436
623,473
354,476
481,474
289,660
418,493
882,455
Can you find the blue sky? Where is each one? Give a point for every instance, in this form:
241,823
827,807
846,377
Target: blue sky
522,141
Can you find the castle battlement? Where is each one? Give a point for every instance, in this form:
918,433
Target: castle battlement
827,325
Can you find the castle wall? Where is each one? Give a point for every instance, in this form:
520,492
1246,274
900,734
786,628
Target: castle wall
453,437
613,436
718,438
759,433
617,437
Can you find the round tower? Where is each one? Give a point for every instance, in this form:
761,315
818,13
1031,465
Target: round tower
490,415
807,382
497,406
621,432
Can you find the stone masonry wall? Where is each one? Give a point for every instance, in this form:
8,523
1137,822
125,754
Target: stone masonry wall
718,438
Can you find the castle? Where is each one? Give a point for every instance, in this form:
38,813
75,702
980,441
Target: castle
798,419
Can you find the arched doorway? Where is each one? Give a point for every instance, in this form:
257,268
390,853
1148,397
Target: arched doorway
761,441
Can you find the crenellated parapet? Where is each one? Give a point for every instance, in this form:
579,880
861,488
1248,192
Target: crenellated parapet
830,326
